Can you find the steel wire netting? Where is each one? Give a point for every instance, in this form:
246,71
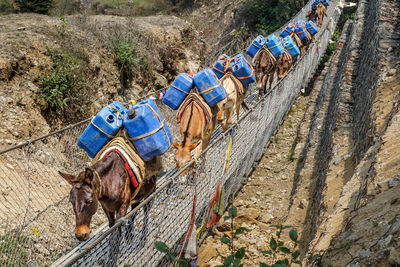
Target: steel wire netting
37,221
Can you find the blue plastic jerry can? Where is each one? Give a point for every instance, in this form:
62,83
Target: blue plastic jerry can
243,70
221,66
300,29
147,129
311,28
289,29
291,47
255,46
102,128
178,90
274,45
209,87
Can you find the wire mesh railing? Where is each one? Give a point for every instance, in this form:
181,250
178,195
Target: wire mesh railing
37,221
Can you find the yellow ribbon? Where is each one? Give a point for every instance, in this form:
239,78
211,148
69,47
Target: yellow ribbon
228,152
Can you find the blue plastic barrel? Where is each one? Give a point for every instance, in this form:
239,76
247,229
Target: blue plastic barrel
147,129
242,70
255,46
102,128
178,90
221,66
316,2
325,2
287,31
311,28
209,87
291,47
274,45
300,29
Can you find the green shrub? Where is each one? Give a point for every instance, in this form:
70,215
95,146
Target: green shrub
35,6
267,16
65,7
6,7
127,56
234,259
279,253
65,84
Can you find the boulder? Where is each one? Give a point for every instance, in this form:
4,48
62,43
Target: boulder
206,254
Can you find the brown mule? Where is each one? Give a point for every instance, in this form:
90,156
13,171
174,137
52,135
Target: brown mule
321,11
107,181
284,64
264,67
195,130
235,98
302,45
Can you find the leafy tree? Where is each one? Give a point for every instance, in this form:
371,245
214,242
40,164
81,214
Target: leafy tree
35,6
6,7
268,15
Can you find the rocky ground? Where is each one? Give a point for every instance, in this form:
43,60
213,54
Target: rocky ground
332,171
263,200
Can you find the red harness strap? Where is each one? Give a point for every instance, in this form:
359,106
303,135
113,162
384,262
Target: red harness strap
127,167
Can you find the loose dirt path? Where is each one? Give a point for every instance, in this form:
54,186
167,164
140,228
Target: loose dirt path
264,199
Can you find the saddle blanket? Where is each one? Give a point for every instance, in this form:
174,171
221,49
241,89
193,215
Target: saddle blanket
238,85
133,164
196,98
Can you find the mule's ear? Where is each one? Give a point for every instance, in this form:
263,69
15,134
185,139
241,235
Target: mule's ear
193,146
88,176
68,177
175,144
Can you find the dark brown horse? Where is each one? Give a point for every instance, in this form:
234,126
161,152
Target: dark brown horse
107,182
264,67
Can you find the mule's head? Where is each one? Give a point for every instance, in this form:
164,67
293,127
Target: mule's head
84,201
261,79
221,113
183,153
261,69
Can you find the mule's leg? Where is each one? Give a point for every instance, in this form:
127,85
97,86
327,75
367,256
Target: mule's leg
111,218
280,70
244,105
264,83
131,223
198,149
113,247
146,210
227,112
207,136
122,210
240,103
271,79
229,119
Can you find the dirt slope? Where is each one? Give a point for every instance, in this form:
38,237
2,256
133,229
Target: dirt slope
28,40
